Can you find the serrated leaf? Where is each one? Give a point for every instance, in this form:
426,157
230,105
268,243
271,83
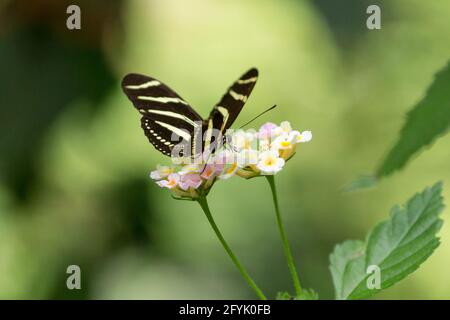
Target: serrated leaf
283,296
428,120
345,261
397,247
306,294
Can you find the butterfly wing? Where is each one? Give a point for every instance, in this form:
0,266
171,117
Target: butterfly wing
166,117
226,111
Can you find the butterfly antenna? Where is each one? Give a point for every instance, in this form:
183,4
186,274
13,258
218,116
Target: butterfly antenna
259,115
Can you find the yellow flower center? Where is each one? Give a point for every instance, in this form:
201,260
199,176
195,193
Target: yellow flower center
167,171
231,168
269,162
172,182
285,143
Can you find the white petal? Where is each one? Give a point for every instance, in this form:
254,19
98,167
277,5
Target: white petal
174,176
155,175
293,136
162,183
306,136
286,126
190,168
280,163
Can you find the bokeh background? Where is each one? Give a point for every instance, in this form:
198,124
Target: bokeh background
74,164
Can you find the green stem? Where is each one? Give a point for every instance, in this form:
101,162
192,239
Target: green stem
287,249
204,204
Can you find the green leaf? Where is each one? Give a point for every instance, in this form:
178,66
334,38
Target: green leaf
284,296
428,120
345,263
306,294
397,246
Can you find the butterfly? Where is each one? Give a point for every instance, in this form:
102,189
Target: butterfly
167,118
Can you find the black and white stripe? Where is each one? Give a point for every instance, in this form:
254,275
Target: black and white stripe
226,111
165,114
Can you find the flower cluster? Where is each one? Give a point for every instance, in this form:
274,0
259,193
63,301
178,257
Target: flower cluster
266,151
247,154
192,180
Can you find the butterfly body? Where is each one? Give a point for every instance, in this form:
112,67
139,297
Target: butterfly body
169,121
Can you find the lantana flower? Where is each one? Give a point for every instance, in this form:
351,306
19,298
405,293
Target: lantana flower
244,139
161,172
249,154
172,181
270,162
191,181
275,146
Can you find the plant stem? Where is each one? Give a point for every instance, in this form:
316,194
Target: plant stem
204,204
287,250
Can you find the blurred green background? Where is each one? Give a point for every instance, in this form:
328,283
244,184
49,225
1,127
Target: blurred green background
74,163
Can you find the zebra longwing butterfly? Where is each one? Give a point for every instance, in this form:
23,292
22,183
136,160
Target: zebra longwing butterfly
167,118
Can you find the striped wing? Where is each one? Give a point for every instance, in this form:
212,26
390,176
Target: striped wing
229,107
165,115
